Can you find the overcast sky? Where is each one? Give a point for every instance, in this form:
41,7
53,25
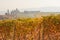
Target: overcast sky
26,4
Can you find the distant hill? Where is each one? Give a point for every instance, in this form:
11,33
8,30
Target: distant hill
50,9
45,9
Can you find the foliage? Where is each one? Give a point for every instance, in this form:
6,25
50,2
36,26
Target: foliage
29,26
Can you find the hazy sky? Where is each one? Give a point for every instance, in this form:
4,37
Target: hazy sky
26,4
23,4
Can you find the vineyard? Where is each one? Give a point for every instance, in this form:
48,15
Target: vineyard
42,28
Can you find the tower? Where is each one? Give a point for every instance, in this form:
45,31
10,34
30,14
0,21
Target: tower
8,11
